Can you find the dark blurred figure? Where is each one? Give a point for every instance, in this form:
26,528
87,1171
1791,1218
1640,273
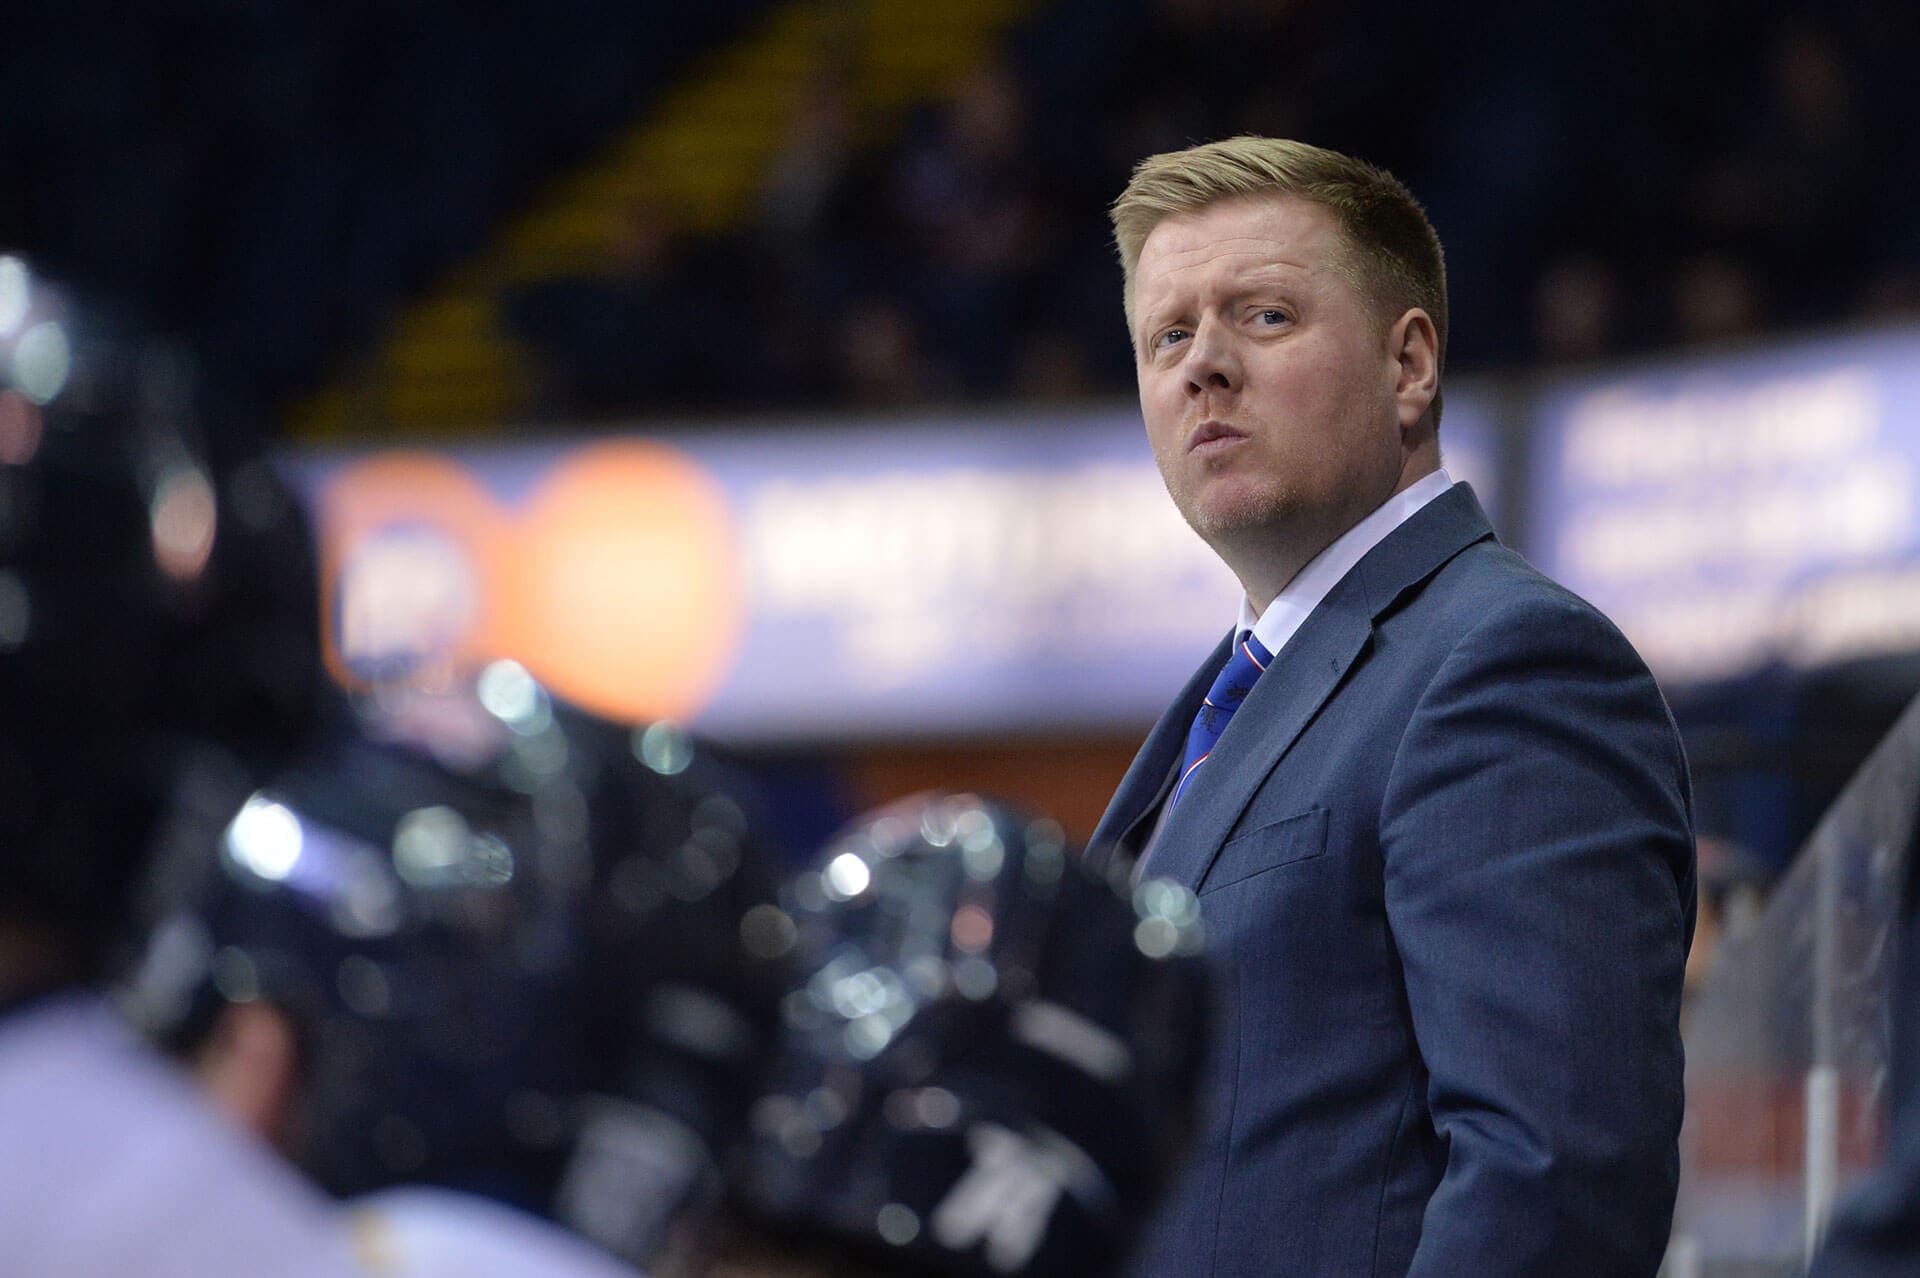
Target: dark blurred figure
1892,294
157,630
1158,103
972,222
1576,310
477,968
879,360
636,335
806,178
1791,184
989,1066
1717,299
1054,364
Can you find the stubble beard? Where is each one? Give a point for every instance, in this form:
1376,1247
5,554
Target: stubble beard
1245,515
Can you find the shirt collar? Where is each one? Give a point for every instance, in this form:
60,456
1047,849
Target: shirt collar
1291,607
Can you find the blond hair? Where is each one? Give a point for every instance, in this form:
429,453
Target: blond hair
1394,260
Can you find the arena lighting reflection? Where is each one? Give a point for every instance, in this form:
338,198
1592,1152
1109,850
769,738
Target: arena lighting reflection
13,294
434,847
184,515
663,746
349,881
265,839
510,694
847,876
41,361
1169,917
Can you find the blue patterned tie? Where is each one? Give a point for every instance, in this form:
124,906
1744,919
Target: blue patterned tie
1228,691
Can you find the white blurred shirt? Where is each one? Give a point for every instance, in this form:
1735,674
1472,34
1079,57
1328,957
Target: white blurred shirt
419,1232
112,1165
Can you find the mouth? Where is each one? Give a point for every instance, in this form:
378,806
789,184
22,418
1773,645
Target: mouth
1212,436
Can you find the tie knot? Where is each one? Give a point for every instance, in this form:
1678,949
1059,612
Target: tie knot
1229,689
1236,678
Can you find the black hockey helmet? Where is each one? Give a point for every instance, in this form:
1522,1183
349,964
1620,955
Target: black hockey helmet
989,1065
509,938
156,589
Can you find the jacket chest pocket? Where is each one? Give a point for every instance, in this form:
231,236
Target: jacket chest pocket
1267,846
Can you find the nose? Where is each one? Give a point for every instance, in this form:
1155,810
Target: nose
1212,363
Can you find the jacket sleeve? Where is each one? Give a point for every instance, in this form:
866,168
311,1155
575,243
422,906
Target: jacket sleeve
1538,862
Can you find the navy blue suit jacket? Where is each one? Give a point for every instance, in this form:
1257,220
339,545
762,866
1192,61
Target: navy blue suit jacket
1445,863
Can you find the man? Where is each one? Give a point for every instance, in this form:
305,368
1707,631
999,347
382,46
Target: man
1442,847
479,970
151,596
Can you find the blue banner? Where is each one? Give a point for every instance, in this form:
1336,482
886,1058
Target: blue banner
890,578
1739,512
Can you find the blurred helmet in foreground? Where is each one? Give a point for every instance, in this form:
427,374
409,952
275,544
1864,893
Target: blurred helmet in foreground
989,1066
688,985
156,587
456,908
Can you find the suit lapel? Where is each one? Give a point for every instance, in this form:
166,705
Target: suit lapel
1150,777
1302,678
1284,699
1418,548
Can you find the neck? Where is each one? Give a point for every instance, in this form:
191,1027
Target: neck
1266,565
1267,561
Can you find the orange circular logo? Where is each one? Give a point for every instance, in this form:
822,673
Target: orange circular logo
625,595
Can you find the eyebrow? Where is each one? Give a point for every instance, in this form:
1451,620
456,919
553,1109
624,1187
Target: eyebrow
1258,280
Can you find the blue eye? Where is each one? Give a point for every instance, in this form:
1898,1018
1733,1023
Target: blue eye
1170,336
1273,316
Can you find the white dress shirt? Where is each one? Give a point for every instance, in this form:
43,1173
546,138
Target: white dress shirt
419,1231
1297,600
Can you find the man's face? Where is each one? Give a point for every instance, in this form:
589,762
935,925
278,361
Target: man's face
1268,385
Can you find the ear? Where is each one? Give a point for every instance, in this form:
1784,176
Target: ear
251,1066
1415,349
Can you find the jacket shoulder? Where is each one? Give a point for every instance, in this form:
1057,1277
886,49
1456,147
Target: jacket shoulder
1489,585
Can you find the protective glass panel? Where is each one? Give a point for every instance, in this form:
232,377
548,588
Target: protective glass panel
1787,1039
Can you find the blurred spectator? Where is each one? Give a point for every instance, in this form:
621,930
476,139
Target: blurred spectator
637,336
1576,310
1892,293
1749,157
1053,364
1716,299
972,220
1792,181
808,174
879,360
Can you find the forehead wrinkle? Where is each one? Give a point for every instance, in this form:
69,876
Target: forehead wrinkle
1259,229
1210,250
1269,272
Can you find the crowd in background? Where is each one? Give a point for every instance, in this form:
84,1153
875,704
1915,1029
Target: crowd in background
280,178
275,177
1608,181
